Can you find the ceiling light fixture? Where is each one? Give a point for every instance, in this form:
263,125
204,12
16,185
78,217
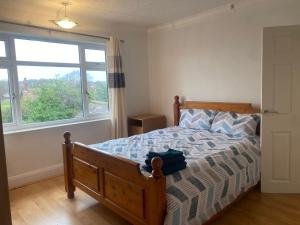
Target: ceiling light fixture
65,22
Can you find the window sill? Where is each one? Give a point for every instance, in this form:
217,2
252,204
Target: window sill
66,124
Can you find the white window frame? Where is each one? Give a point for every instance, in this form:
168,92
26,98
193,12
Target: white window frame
10,63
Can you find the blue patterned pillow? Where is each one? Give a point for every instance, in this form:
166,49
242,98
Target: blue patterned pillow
199,119
235,124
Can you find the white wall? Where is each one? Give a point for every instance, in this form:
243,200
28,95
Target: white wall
214,56
35,155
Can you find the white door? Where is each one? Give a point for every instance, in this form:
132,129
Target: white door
281,110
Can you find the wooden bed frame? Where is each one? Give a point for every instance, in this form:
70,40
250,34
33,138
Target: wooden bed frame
118,183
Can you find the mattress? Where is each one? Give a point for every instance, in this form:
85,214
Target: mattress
219,168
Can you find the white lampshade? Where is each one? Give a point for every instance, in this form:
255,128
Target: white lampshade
66,23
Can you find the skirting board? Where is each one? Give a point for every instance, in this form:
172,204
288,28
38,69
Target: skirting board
34,176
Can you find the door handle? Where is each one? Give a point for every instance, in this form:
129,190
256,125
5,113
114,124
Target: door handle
265,111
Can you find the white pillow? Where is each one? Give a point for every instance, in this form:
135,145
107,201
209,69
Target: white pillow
235,124
199,119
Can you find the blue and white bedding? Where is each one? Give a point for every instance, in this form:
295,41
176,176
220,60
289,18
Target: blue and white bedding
219,168
235,124
200,119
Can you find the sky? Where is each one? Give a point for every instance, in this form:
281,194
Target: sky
2,49
36,72
3,74
39,51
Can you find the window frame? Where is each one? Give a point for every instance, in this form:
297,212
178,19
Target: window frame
11,64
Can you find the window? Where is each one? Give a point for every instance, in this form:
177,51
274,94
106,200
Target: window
2,49
41,51
49,93
51,82
94,55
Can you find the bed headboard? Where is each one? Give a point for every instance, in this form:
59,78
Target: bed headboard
222,106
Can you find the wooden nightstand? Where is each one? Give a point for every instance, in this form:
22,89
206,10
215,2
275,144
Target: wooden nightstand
144,123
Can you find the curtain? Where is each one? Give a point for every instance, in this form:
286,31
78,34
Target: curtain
116,84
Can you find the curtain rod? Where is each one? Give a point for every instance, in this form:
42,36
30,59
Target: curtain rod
56,30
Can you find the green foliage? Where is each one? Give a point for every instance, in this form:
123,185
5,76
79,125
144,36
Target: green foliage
98,92
101,92
6,111
52,100
5,103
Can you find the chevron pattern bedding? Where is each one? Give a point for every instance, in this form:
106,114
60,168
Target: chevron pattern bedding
196,118
219,168
235,124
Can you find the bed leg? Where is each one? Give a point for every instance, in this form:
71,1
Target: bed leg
68,165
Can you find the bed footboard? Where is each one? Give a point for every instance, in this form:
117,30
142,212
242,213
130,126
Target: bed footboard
116,182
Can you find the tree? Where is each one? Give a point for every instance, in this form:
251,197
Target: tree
6,111
101,91
55,99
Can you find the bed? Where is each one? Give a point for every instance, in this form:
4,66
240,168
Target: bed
220,169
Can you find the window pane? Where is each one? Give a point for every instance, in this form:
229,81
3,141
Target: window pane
2,49
41,51
97,89
5,97
92,55
49,93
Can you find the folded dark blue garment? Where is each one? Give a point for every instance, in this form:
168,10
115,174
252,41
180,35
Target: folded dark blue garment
171,153
166,161
168,169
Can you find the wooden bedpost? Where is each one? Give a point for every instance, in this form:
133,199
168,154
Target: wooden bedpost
158,199
176,107
157,164
68,165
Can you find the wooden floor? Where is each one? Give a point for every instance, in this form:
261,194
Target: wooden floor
45,203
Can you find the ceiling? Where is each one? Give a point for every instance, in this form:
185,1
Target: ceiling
142,13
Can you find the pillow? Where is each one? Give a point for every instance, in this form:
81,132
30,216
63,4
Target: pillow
199,119
235,124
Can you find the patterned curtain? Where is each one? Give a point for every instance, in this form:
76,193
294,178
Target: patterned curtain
116,84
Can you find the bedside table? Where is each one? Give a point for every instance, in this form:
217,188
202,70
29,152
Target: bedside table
140,124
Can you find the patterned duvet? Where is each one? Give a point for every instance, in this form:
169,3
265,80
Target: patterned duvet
219,168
